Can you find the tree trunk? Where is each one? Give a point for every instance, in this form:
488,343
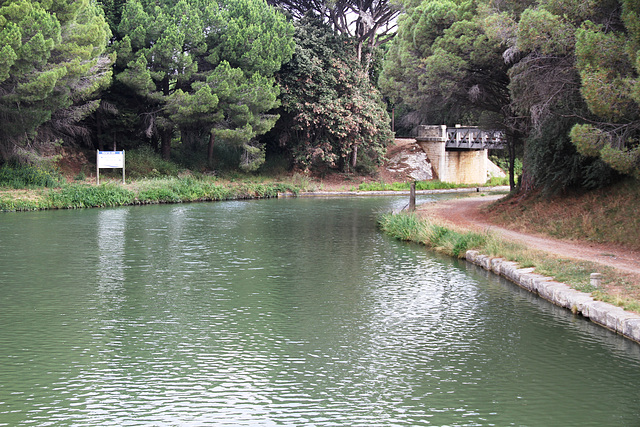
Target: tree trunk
165,144
512,161
212,140
354,157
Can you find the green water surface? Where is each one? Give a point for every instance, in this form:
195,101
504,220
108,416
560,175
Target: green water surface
292,312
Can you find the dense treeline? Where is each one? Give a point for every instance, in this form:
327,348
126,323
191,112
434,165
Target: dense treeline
191,79
199,80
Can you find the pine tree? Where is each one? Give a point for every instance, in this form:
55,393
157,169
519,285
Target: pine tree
197,64
52,63
608,62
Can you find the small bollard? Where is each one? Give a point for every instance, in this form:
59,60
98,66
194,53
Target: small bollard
596,280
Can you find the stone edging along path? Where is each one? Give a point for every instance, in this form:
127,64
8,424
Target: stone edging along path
602,313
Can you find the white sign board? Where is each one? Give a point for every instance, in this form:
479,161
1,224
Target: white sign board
111,159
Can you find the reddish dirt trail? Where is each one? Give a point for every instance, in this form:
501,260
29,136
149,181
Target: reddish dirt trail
469,213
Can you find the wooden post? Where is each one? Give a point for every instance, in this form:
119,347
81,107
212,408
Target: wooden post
97,167
412,197
393,119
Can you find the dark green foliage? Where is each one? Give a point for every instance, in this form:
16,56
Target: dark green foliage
369,24
201,70
443,60
559,47
113,12
535,64
556,165
607,58
331,113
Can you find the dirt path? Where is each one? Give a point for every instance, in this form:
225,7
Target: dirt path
469,213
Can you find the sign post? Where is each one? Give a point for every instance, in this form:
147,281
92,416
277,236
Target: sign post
109,160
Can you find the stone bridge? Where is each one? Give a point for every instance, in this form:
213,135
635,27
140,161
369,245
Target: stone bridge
459,154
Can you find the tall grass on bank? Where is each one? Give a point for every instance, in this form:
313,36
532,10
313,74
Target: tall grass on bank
147,191
426,185
408,227
444,239
176,190
144,162
86,196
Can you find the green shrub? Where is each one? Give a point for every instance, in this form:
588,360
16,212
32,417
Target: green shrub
555,164
496,181
275,165
144,162
28,176
405,226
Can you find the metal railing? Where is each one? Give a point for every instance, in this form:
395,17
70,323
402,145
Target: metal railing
474,138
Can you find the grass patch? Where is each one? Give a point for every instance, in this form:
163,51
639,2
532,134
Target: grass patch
143,162
427,185
85,196
405,186
409,227
496,181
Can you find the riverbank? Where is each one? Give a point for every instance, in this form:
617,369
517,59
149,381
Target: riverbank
140,192
461,228
184,189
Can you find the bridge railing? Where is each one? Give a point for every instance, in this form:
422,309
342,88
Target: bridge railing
474,138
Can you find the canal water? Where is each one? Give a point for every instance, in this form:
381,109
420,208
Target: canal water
294,312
